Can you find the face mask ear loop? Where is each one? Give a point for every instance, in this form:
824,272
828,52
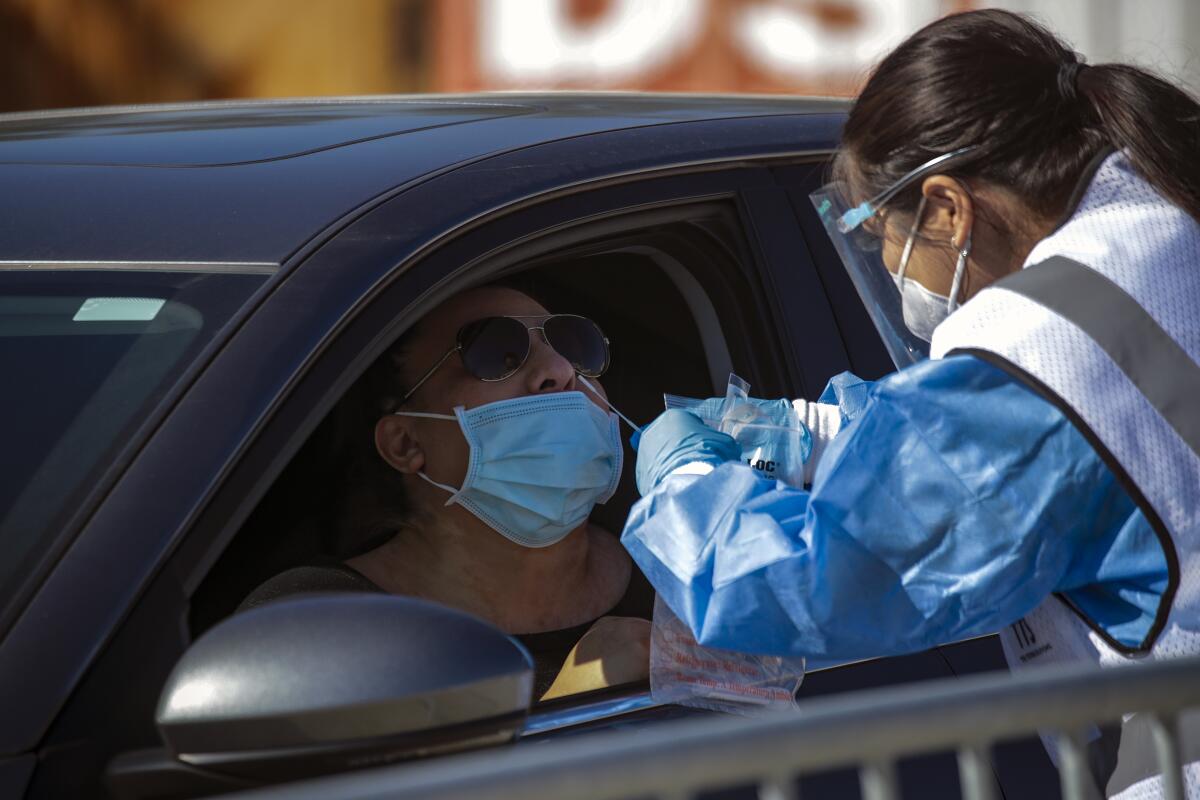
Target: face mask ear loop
959,269
421,473
611,407
912,238
424,414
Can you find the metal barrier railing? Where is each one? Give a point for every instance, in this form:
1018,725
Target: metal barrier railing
872,729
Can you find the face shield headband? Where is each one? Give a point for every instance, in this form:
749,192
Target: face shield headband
857,238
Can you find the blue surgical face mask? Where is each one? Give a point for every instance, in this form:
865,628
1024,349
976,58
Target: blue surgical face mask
538,464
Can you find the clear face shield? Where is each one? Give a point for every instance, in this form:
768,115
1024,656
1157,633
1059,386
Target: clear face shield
857,234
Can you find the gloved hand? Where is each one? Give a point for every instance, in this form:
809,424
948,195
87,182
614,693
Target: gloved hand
676,438
775,436
709,412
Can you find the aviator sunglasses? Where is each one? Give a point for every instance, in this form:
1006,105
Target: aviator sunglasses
494,348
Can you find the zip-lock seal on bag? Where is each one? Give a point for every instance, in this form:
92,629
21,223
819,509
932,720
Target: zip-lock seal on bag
773,438
685,673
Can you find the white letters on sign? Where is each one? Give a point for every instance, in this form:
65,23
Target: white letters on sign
536,41
796,42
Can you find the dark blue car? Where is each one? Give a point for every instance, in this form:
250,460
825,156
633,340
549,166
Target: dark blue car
186,292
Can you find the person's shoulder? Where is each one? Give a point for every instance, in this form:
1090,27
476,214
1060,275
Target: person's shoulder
953,373
306,580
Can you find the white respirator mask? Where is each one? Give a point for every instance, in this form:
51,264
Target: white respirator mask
923,309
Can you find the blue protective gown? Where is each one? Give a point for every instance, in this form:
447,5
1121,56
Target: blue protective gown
952,502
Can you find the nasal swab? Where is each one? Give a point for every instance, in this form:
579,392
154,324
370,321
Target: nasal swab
604,400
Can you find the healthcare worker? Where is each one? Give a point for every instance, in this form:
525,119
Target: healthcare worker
1023,230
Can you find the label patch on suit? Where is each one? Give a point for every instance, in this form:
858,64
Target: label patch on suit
1026,639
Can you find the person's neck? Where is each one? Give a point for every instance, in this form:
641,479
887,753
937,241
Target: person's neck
456,560
1004,238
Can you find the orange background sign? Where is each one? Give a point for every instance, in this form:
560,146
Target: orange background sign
84,52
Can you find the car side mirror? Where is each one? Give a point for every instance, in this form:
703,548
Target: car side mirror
324,683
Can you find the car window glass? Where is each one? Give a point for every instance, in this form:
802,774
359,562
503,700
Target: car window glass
86,355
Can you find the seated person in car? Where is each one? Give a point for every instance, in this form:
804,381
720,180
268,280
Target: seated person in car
481,453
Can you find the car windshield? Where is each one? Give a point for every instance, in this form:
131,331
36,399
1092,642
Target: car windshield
86,355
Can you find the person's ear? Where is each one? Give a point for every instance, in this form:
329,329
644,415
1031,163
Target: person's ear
949,210
397,445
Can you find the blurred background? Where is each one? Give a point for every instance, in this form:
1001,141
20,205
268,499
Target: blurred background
56,53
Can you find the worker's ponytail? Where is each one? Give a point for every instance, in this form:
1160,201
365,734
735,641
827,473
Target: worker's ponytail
1156,122
1037,114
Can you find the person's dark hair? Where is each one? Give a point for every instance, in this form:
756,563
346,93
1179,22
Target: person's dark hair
375,506
1039,115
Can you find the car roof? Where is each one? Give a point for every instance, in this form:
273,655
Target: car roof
225,133
249,181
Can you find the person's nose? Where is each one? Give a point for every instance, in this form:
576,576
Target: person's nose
547,371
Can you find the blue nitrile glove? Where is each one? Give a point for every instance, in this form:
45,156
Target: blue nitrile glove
676,438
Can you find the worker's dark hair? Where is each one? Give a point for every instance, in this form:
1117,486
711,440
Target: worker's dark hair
1039,115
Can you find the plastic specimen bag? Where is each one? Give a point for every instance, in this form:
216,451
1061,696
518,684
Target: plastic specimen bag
685,673
773,439
775,443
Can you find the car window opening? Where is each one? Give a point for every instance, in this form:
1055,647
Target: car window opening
310,517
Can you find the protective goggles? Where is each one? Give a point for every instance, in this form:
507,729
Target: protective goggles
857,232
494,348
